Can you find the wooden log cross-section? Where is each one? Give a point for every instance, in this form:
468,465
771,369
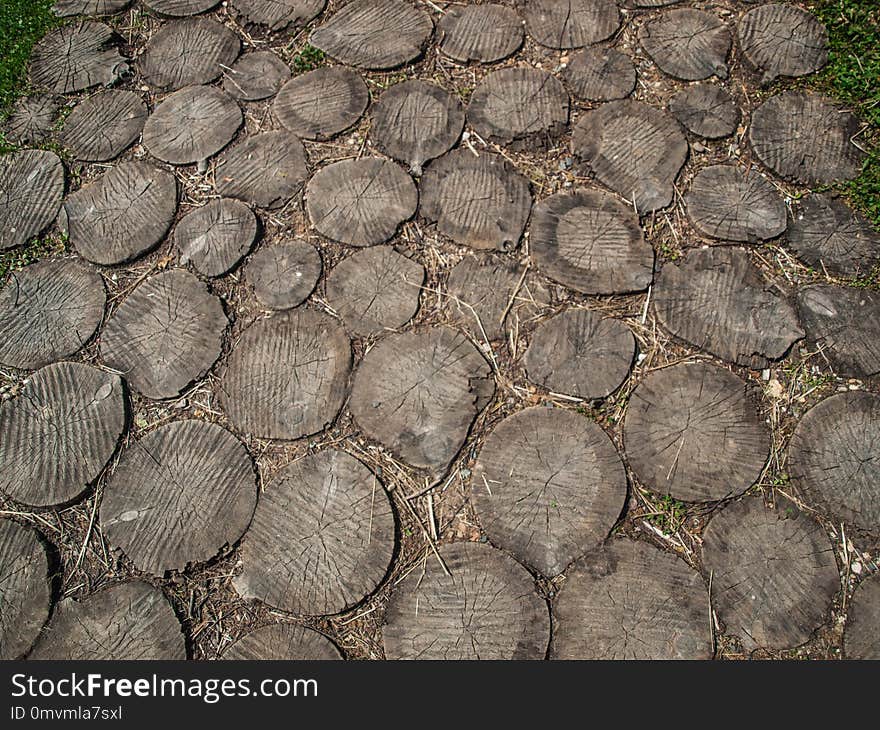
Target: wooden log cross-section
688,44
570,23
284,275
31,190
484,33
103,126
215,237
322,103
282,642
279,14
706,110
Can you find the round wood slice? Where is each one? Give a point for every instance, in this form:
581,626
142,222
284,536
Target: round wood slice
481,202
522,105
130,621
166,334
215,237
323,102
287,375
187,53
32,119
600,74
103,126
266,170
25,590
48,311
487,294
284,275
360,202
121,215
415,121
77,56
845,323
833,457
706,110
806,138
580,353
634,149
31,190
418,393
374,34
255,76
485,33
629,600
322,537
180,8
58,435
375,290
590,241
773,573
724,202
548,485
570,23
861,639
694,431
283,642
782,40
635,4
717,300
279,14
687,44
828,235
485,608
65,8
179,495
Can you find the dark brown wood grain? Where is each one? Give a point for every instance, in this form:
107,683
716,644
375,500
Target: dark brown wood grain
103,126
215,237
31,189
279,14
861,639
284,275
706,110
782,40
65,8
282,642
570,23
31,119
600,74
77,56
255,76
321,103
484,33
688,44
180,8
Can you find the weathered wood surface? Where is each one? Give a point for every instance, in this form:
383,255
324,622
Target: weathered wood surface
215,237
77,56
284,275
688,44
706,110
861,639
180,8
486,607
178,496
279,14
255,76
282,642
600,74
66,8
103,126
570,23
31,190
32,119
484,33
321,103
548,485
782,40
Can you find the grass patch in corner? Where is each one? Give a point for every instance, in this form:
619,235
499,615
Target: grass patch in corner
22,23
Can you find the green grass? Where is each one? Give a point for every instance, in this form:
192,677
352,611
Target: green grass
22,23
307,59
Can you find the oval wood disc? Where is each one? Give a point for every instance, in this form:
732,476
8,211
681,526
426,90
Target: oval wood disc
548,485
415,121
706,110
375,290
374,34
861,639
523,105
629,600
782,40
284,275
32,119
833,457
255,76
806,138
687,44
485,608
360,202
25,590
322,537
165,335
481,202
130,621
634,149
418,393
103,126
31,190
279,14
65,8
58,435
266,170
484,33
845,323
773,573
77,56
287,375
694,431
215,237
323,102
179,495
717,300
180,8
828,235
210,117
580,353
590,241
121,215
570,23
283,642
600,74
724,202
48,311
